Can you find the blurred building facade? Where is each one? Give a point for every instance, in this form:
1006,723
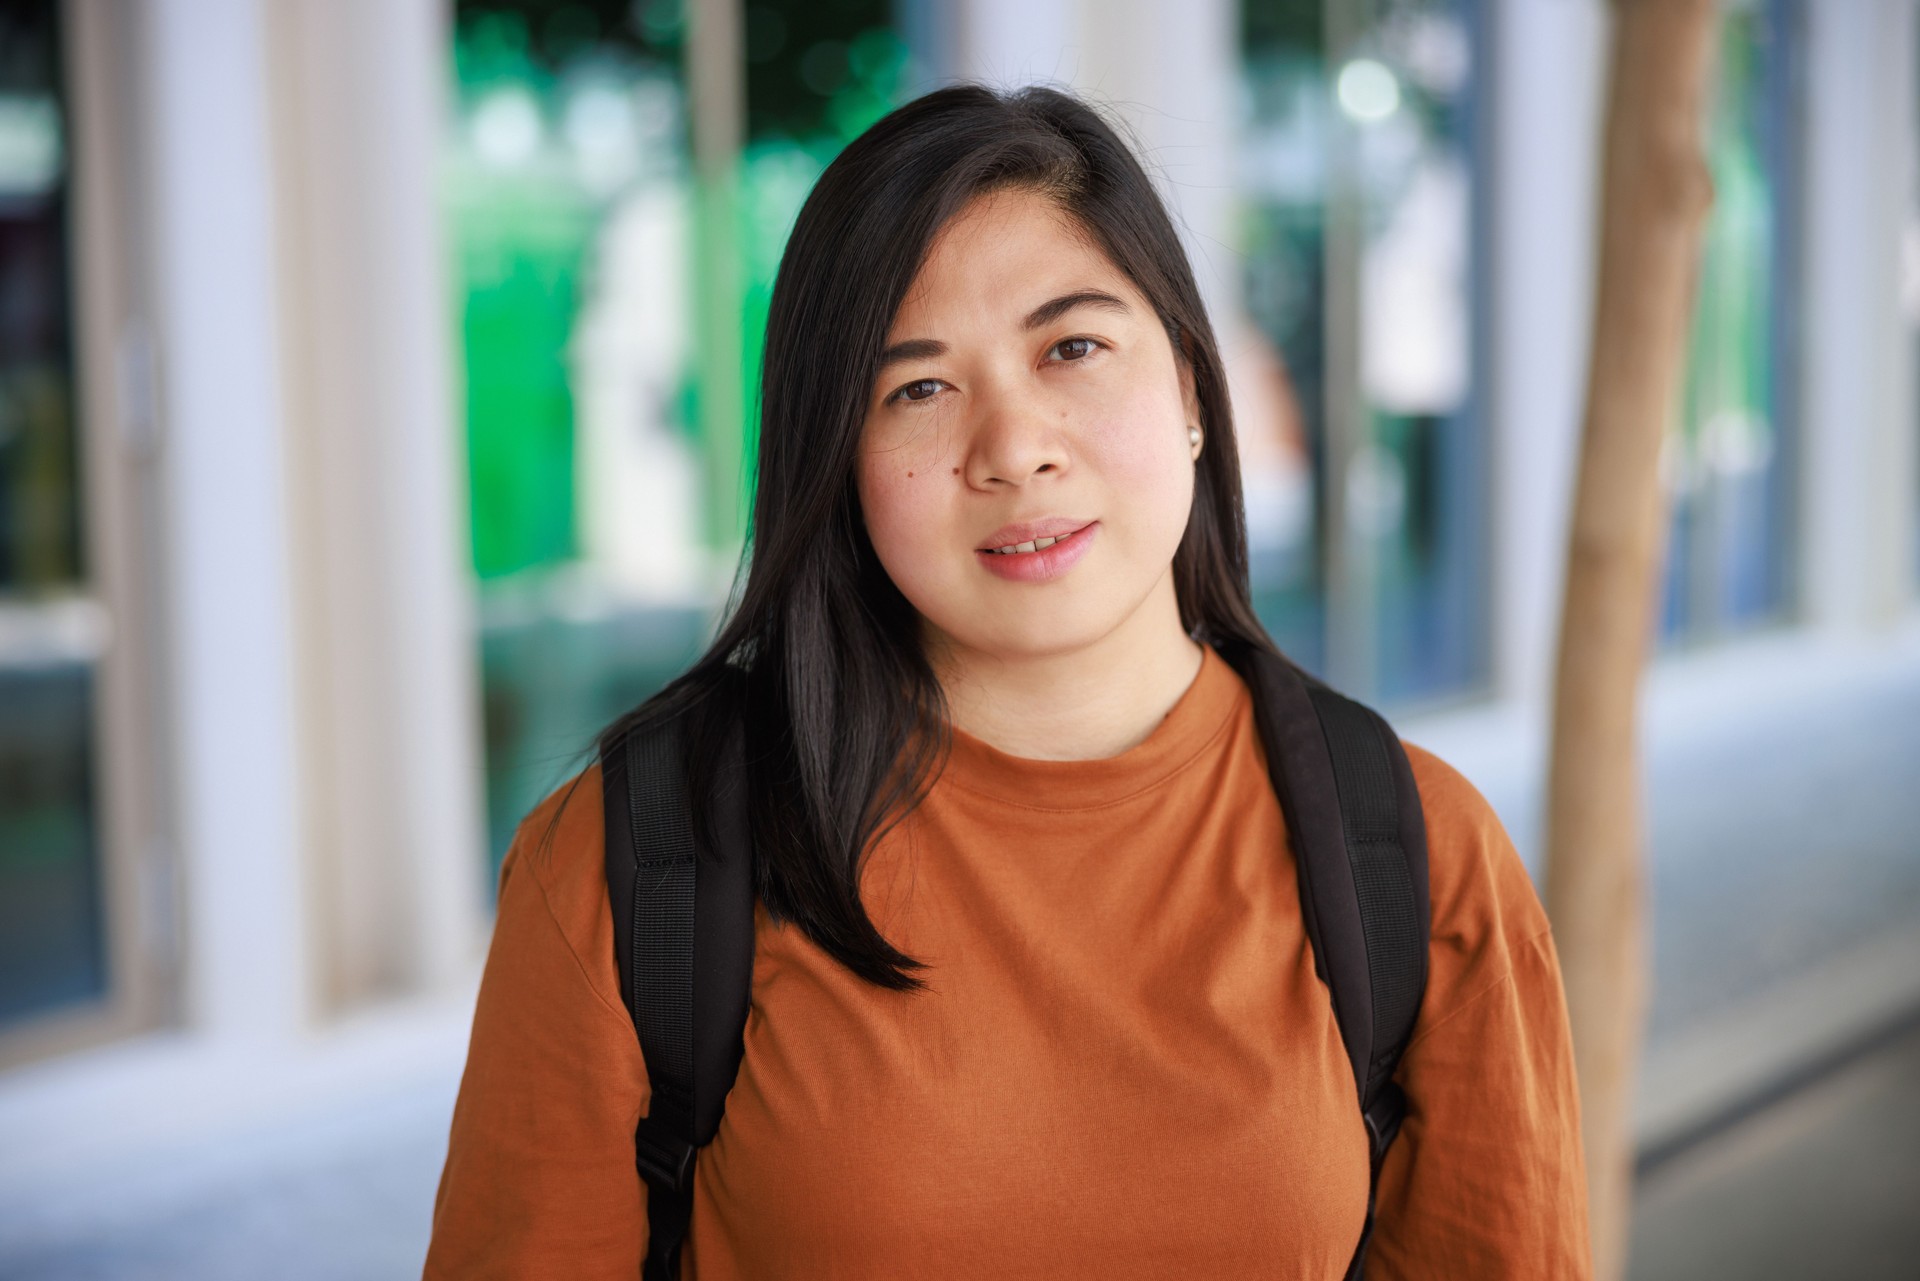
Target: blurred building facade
376,393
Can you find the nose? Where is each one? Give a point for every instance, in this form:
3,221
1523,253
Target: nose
1012,439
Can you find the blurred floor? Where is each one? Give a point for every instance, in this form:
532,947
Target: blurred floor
1822,1184
1825,1183
342,1195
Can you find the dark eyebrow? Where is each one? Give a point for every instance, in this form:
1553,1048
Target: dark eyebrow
1048,312
1045,314
911,349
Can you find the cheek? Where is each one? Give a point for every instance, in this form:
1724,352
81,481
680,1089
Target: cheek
1147,467
902,522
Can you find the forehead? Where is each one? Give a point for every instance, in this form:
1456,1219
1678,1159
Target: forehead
1000,254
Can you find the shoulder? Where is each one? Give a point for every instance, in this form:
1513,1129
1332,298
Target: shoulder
558,850
553,838
1487,913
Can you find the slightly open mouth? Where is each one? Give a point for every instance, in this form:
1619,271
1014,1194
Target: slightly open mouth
1057,538
1043,564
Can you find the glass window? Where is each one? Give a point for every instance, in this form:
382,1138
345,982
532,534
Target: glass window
605,439
52,931
1358,403
1728,463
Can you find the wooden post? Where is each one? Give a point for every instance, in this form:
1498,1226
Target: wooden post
1655,194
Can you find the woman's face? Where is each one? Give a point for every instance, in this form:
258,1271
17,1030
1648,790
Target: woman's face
1027,380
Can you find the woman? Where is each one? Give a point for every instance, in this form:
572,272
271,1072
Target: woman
1031,991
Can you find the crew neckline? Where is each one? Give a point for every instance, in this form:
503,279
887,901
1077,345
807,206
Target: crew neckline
1199,715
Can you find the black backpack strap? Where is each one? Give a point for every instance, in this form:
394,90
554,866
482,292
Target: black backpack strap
677,915
1359,836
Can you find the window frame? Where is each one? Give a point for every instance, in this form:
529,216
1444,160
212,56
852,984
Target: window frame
115,419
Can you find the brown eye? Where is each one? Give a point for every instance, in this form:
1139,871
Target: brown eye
1090,345
923,382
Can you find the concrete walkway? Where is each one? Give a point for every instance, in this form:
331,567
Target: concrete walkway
1825,1183
341,1196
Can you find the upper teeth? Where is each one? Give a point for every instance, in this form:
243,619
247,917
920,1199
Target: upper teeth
1033,546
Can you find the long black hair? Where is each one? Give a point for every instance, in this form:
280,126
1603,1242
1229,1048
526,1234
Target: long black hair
819,654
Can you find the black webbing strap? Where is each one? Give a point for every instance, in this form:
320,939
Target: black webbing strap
1359,839
1393,915
1390,916
658,874
672,924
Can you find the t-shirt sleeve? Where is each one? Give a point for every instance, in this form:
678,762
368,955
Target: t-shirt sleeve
1487,1178
539,1178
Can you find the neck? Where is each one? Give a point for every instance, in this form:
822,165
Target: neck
1088,702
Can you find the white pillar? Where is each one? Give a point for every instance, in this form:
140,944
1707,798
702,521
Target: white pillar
236,762
1006,43
1548,77
328,756
389,680
1172,72
1167,73
1858,422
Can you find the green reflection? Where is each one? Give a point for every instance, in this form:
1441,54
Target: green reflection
586,258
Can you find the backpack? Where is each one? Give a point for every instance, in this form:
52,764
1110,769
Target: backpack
683,942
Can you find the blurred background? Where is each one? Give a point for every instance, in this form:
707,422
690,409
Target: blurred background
376,413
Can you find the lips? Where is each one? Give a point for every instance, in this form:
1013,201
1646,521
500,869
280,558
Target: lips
1025,531
1043,565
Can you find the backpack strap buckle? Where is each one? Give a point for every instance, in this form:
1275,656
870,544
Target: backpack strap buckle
665,1159
1383,1120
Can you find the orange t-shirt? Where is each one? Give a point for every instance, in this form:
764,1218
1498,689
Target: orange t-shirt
1125,1066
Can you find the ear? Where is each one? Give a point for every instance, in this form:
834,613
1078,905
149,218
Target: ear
1189,394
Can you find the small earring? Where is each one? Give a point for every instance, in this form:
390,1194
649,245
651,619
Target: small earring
1193,434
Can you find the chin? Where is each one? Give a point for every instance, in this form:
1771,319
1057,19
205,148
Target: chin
1045,634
